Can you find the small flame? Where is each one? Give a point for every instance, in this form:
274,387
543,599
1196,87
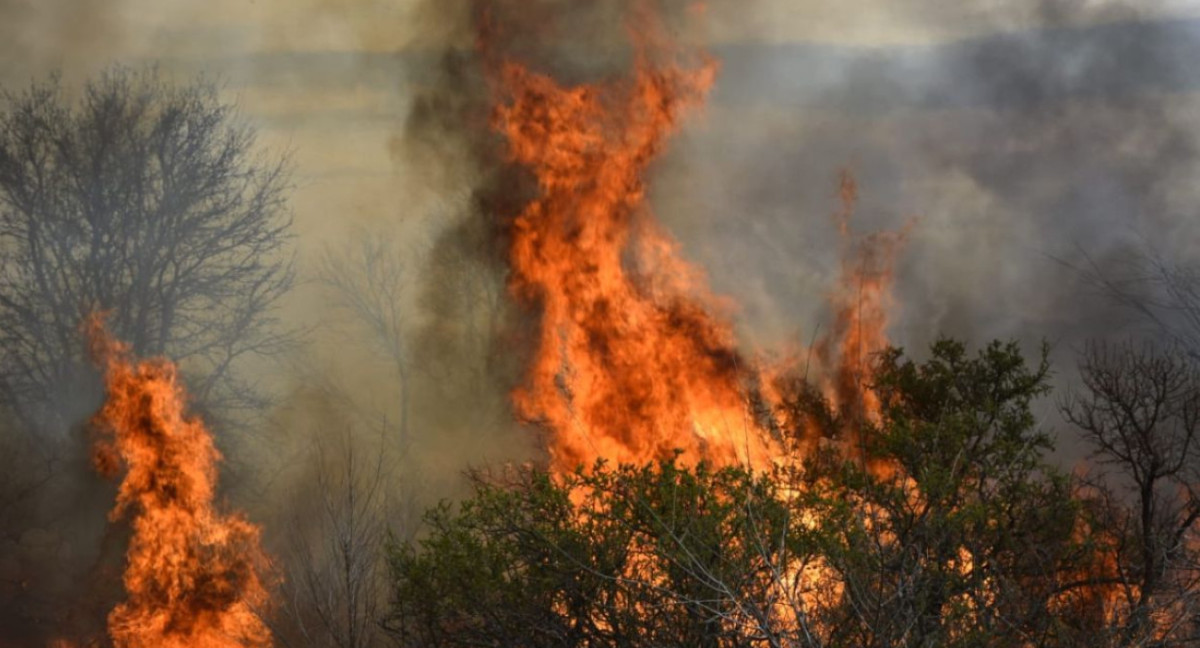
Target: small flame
194,576
861,302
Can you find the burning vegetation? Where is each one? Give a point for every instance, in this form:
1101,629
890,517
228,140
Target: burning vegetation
687,493
699,497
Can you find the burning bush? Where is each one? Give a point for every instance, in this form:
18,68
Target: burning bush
955,531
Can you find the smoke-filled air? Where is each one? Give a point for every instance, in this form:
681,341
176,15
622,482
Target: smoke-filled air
599,323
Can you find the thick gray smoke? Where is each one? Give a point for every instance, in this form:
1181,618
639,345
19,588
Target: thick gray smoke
1050,144
1026,156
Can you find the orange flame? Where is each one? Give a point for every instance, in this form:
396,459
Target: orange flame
629,365
634,359
194,576
861,302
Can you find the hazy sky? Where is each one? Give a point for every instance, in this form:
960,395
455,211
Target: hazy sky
57,30
298,69
237,38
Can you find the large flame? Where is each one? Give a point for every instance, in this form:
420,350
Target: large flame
635,358
194,577
630,365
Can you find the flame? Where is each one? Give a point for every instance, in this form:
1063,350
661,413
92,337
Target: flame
194,576
630,364
635,358
861,303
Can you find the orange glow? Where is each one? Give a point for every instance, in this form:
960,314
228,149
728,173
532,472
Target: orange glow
194,576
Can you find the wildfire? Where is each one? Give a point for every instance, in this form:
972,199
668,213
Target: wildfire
194,576
635,357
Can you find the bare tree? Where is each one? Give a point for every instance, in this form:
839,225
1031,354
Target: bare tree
147,200
335,588
435,317
370,280
1140,412
1164,292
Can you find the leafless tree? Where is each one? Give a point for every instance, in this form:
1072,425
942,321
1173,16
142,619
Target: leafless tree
1139,409
371,280
334,591
1163,291
436,316
147,200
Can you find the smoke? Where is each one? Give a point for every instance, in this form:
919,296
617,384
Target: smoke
1025,156
1035,143
1078,145
36,37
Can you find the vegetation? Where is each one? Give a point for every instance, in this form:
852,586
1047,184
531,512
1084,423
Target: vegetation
954,529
